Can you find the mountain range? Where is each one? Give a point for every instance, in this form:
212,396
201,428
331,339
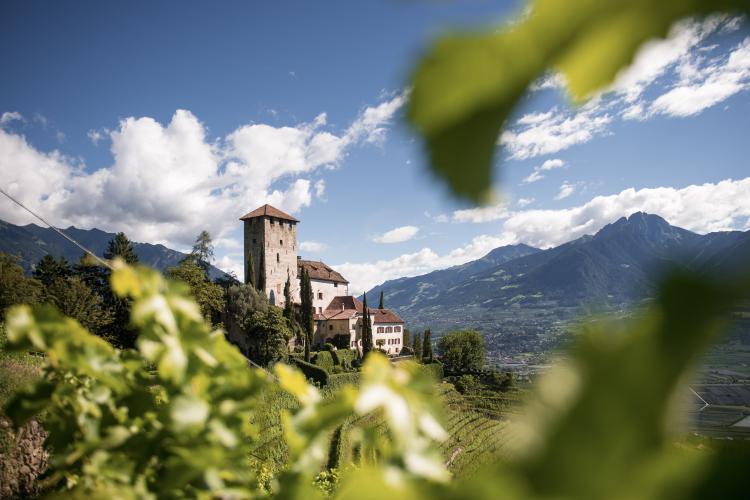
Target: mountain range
31,242
532,292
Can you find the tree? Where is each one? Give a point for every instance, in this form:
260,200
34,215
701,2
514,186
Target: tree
15,288
407,338
417,347
203,250
48,269
75,299
288,305
208,295
366,328
120,246
250,270
268,333
427,345
306,313
262,274
462,350
91,272
381,305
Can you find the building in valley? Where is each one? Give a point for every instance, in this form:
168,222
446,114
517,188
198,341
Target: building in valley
270,237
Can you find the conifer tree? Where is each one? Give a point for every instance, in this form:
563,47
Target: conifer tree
120,246
417,347
427,345
250,270
262,275
48,270
366,328
306,300
203,250
288,310
381,306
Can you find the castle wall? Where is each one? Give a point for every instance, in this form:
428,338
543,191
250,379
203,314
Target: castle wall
276,240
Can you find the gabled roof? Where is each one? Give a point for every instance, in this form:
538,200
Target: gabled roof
319,271
268,211
349,305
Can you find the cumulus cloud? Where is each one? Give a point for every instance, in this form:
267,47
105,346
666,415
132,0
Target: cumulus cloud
537,175
95,136
479,215
397,235
312,246
701,208
169,181
522,202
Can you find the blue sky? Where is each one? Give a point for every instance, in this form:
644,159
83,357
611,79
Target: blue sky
164,118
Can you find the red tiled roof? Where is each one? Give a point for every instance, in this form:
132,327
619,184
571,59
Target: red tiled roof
344,303
319,271
268,211
384,316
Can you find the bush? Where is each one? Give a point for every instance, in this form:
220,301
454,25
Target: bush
462,351
312,372
435,369
339,380
466,383
344,356
329,347
324,360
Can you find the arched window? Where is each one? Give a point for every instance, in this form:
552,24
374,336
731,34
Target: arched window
380,329
388,329
396,329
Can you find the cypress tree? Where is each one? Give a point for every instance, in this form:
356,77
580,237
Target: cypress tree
306,301
417,347
366,328
427,345
262,277
381,306
250,270
288,310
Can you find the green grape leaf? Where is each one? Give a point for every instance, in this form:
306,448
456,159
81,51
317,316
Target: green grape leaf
466,86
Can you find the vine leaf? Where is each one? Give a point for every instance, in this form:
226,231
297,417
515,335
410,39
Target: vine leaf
467,85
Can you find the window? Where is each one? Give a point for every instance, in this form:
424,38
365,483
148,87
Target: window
320,310
271,219
278,259
330,327
281,242
320,295
354,342
380,329
389,329
335,285
396,329
254,241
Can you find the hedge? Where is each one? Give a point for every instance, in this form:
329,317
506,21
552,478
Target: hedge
342,355
324,360
335,382
314,373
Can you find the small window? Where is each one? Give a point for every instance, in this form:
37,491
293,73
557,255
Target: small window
272,222
254,241
380,329
320,310
335,285
320,295
281,242
330,327
388,329
397,329
278,259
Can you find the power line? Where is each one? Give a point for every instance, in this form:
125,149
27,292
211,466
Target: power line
58,231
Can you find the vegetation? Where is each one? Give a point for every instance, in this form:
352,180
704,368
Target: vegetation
15,288
417,346
427,346
203,251
462,351
306,311
208,295
367,344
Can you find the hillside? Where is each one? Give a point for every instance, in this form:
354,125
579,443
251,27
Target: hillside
32,242
522,304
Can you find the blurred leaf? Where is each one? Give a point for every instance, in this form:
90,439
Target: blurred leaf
466,86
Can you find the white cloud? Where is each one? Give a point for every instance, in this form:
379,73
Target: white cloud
566,189
397,235
537,175
705,86
481,214
320,189
167,182
95,136
9,116
312,246
554,131
523,202
701,208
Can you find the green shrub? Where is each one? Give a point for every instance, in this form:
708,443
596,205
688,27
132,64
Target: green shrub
343,356
312,372
435,369
328,347
324,360
339,380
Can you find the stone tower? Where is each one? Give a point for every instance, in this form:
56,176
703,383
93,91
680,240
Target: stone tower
271,238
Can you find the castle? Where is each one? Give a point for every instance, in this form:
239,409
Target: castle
270,238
